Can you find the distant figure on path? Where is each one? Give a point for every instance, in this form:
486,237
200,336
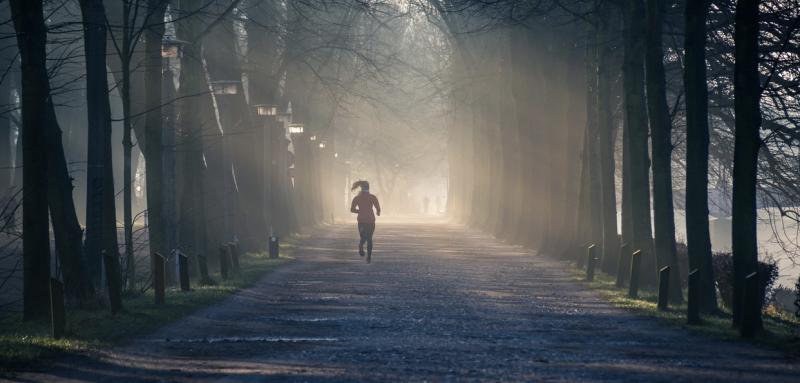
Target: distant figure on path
425,202
362,205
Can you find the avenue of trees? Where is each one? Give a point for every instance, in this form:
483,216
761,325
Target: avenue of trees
178,126
572,106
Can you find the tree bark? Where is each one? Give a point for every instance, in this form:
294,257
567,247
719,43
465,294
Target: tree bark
636,116
101,219
698,240
747,93
195,122
661,143
605,76
32,40
154,166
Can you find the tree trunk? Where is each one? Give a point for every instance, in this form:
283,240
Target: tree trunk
661,139
698,240
127,148
32,39
636,116
153,34
747,93
605,76
101,219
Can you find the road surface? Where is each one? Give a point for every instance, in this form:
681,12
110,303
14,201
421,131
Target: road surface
438,303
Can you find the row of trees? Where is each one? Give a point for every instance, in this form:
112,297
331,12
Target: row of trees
564,106
202,93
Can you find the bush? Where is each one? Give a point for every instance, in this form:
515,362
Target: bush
797,298
723,274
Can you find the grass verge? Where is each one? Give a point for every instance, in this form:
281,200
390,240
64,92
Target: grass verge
25,345
781,330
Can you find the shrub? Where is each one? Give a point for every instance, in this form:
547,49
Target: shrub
723,274
797,298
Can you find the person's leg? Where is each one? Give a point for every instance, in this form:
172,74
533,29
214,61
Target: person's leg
370,231
362,238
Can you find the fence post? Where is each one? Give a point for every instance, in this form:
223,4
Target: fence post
224,261
183,271
159,273
591,260
636,262
113,280
57,317
663,288
751,305
274,247
622,261
234,252
692,304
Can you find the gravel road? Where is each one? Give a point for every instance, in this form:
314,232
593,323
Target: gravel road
438,303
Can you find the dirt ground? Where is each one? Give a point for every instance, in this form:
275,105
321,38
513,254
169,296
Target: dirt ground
438,303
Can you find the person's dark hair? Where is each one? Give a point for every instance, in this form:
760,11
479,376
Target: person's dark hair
364,185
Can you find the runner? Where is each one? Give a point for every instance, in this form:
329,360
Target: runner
362,205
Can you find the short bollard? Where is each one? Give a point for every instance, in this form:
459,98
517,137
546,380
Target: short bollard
663,288
636,262
159,274
751,305
57,317
591,261
692,304
233,248
622,261
183,270
113,279
224,262
274,247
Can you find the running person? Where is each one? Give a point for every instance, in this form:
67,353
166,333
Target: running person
362,205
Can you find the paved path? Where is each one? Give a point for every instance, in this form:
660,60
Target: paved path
438,303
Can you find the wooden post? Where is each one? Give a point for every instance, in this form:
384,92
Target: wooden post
159,273
274,247
693,305
183,270
622,261
636,262
591,260
224,261
751,305
663,288
113,279
233,248
57,317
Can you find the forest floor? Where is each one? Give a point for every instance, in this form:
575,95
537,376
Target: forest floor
437,303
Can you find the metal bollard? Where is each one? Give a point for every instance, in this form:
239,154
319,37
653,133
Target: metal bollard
636,263
591,261
663,288
159,275
274,247
692,304
183,271
224,261
622,261
57,317
751,306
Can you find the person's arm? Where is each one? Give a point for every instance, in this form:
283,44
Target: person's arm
377,205
353,207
